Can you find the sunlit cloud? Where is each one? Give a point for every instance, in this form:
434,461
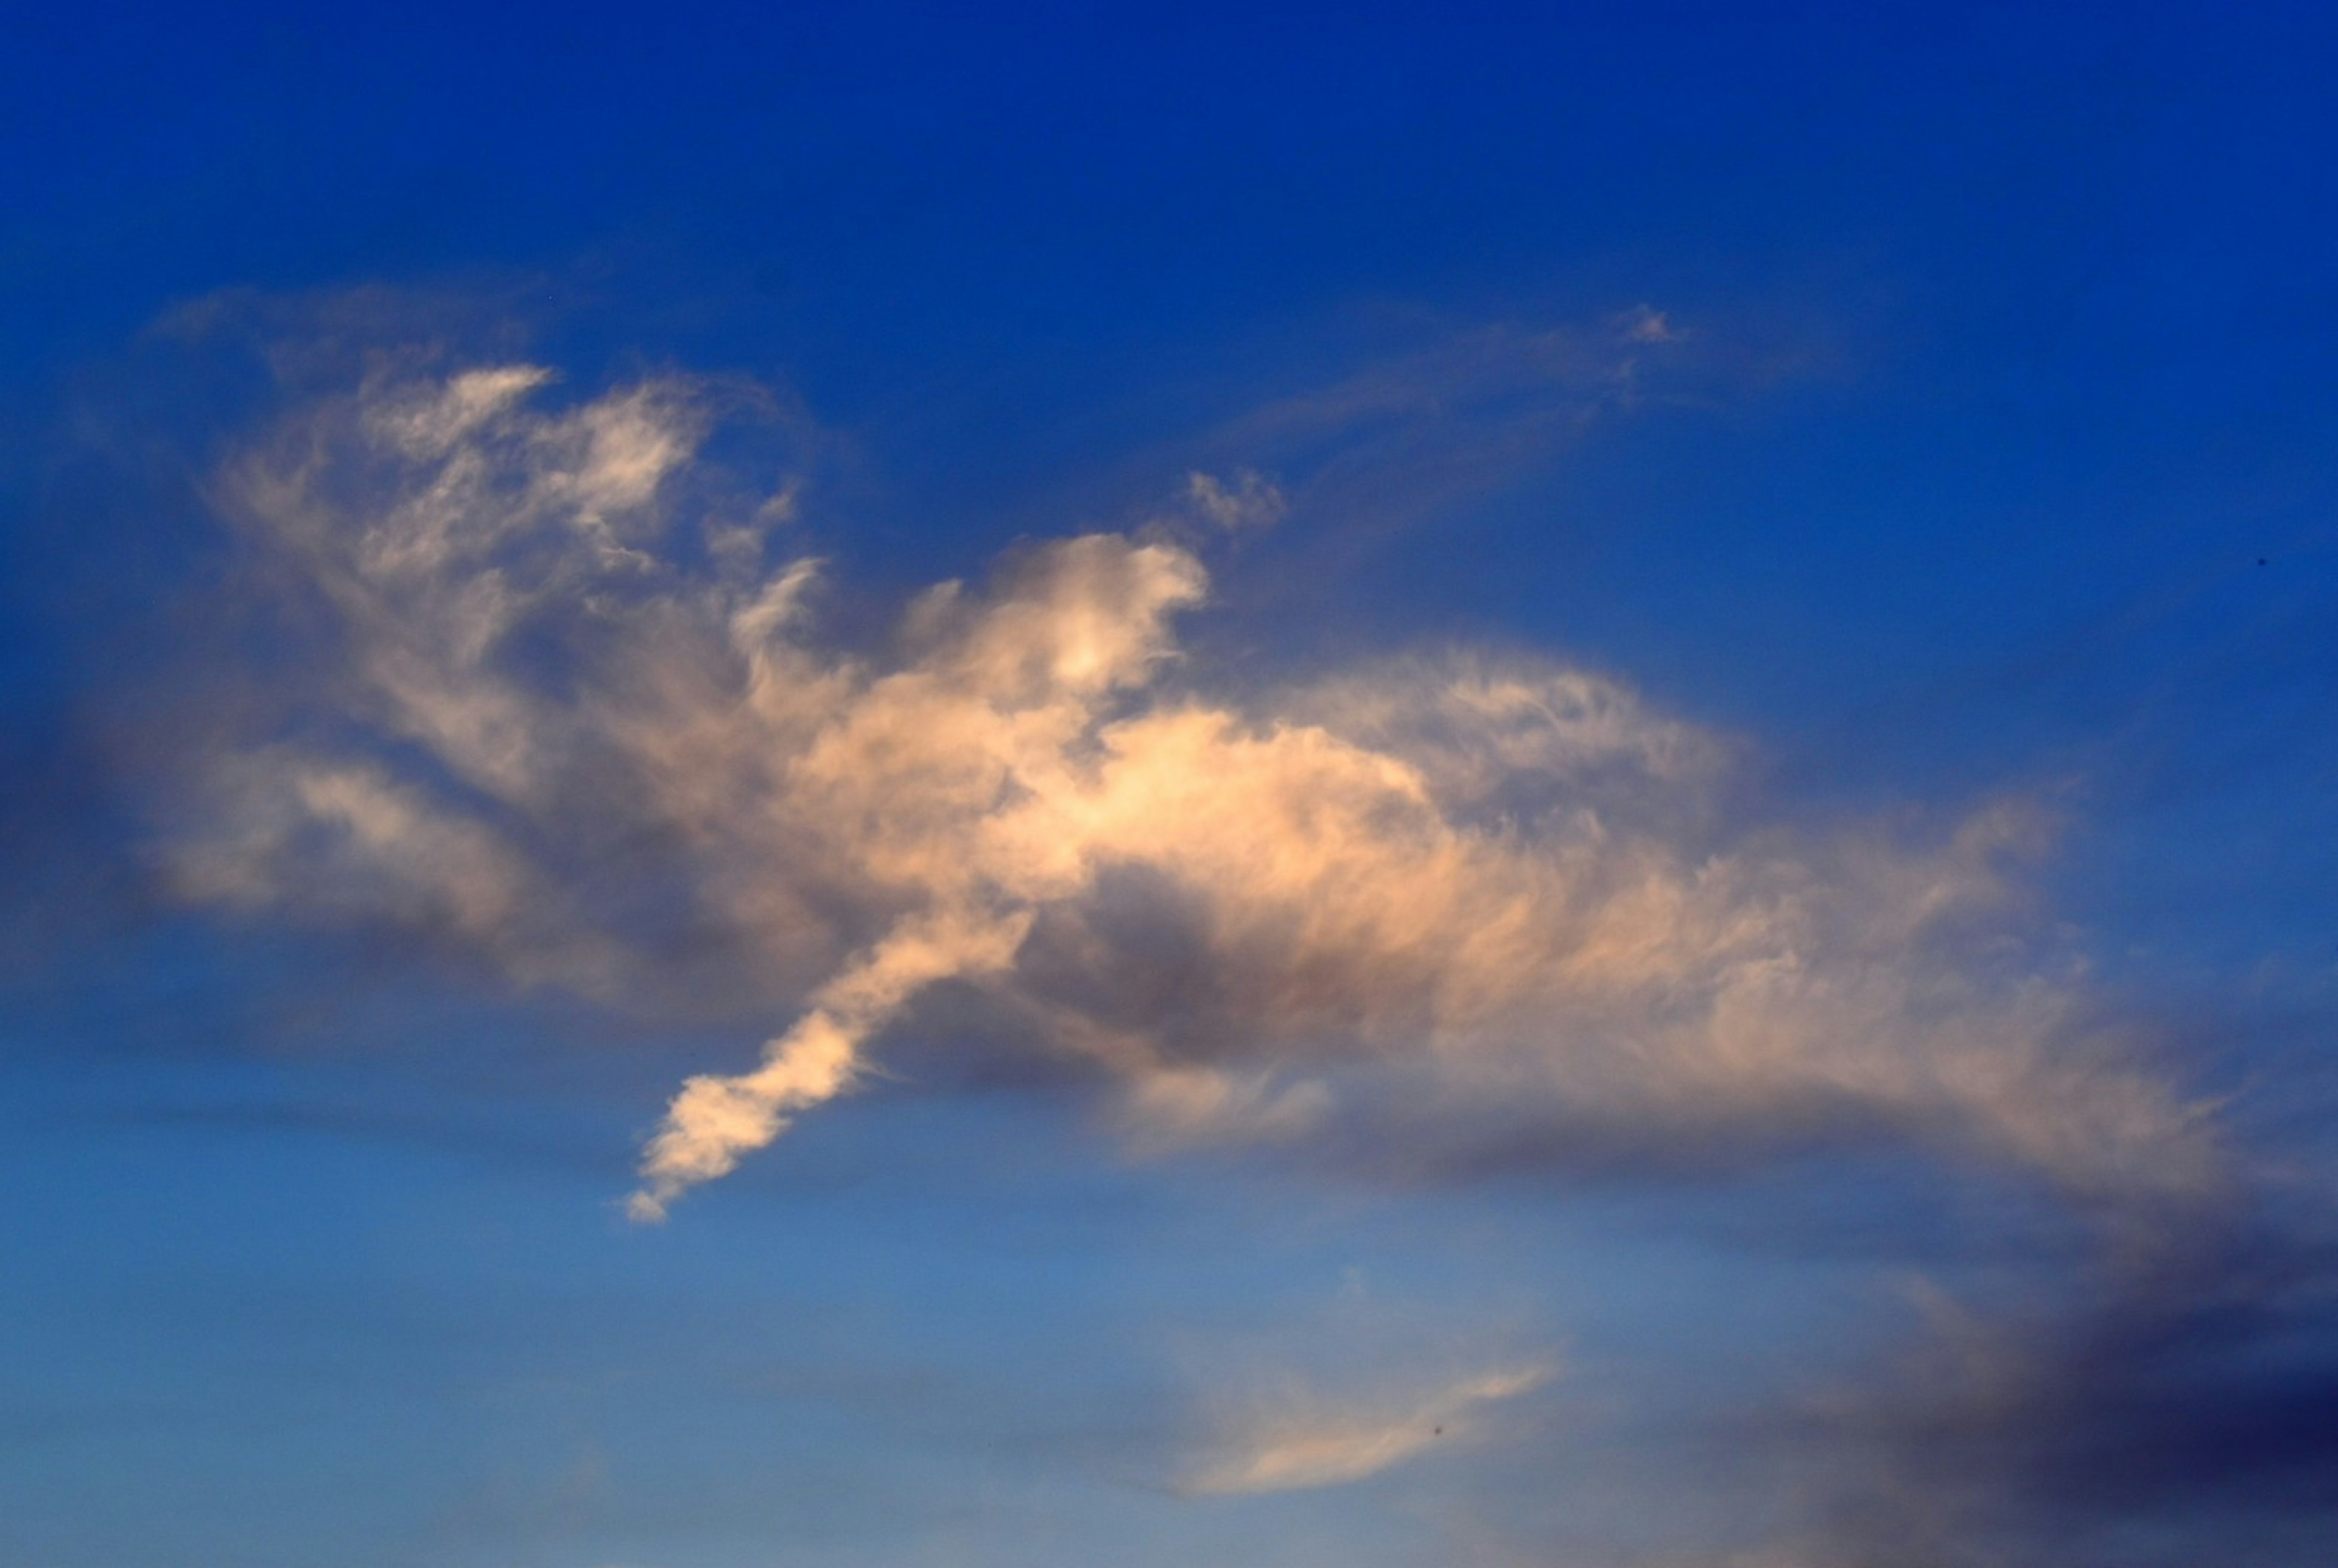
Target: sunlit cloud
568,713
1300,1439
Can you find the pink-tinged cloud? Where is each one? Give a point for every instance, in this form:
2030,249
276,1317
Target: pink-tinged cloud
1402,907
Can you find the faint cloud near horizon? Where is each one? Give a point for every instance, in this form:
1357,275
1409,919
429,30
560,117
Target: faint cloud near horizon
1298,1438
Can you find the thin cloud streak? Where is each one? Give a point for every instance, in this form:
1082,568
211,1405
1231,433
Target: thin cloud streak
1308,1442
566,711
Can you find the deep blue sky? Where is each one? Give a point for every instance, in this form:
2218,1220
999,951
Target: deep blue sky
1991,461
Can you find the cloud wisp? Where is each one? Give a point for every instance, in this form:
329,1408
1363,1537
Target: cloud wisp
568,713
1305,1441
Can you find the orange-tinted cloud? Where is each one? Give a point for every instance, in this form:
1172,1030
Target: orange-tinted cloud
1402,903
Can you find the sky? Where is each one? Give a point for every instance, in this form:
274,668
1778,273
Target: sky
1512,787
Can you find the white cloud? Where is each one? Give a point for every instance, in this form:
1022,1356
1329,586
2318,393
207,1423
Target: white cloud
564,719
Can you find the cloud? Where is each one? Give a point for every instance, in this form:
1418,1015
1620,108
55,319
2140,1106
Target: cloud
1646,324
564,709
1249,501
2205,1388
1302,1440
1416,435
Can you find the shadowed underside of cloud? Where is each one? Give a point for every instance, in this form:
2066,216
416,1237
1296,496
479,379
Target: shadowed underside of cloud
566,710
2196,1399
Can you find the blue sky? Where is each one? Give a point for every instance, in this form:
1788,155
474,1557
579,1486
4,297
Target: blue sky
1618,851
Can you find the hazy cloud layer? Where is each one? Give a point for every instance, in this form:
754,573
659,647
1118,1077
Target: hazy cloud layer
567,712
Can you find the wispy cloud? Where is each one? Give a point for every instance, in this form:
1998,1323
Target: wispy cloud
1439,414
1247,500
568,711
1301,1439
